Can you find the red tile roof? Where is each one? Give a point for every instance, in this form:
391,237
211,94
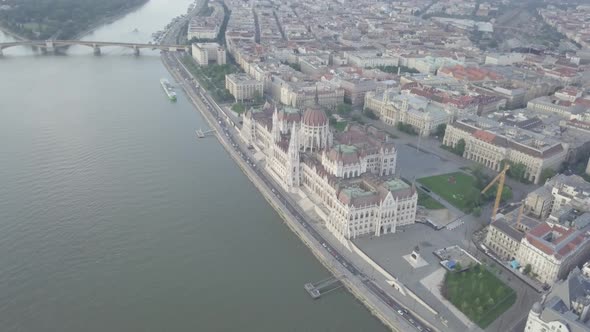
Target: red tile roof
564,241
484,136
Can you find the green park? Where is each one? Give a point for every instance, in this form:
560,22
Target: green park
463,190
478,293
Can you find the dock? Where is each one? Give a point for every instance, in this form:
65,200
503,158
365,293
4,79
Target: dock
322,287
202,134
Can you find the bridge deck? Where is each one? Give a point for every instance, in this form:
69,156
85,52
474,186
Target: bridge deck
63,43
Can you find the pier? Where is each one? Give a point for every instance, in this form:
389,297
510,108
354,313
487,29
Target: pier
202,134
322,287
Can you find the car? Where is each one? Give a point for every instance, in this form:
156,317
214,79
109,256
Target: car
411,321
400,312
324,244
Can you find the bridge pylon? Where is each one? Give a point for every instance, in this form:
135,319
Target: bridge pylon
49,47
136,50
96,49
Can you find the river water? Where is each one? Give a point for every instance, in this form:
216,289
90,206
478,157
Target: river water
114,217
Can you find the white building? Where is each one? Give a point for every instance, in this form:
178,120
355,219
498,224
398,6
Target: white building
566,307
490,143
418,112
350,176
553,251
243,86
205,53
570,190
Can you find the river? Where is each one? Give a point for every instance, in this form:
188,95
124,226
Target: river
114,217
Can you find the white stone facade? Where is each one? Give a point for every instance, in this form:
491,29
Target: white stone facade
417,112
350,177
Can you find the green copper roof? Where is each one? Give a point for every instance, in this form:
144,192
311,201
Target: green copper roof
396,184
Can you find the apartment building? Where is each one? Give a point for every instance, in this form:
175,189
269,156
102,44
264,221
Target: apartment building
243,87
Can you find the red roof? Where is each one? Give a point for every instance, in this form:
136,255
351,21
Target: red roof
563,241
484,136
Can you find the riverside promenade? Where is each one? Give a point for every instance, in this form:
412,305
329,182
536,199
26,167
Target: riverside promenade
359,284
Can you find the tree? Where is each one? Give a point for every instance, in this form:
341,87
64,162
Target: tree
547,173
440,130
258,99
477,211
517,171
458,267
343,109
369,114
460,147
506,193
406,128
238,108
527,269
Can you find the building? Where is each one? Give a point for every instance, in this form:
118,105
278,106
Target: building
206,27
563,108
505,234
491,143
356,89
365,207
302,95
570,190
566,307
207,53
370,58
553,251
349,176
243,87
416,111
539,202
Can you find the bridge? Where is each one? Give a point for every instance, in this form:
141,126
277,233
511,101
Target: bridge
53,45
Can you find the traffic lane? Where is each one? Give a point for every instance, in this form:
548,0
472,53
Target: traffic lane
398,308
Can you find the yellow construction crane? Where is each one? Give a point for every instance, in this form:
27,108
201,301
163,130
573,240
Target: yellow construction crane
500,178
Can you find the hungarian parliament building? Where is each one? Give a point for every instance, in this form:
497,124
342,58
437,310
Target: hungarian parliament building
348,175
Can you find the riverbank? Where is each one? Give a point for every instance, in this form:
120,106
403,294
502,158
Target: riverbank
355,286
12,33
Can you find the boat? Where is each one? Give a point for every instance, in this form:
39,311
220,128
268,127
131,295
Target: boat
168,89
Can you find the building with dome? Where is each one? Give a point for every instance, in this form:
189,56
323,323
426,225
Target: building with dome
350,176
565,309
314,129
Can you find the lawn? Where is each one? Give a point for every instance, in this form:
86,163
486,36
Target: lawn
452,187
428,202
479,294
